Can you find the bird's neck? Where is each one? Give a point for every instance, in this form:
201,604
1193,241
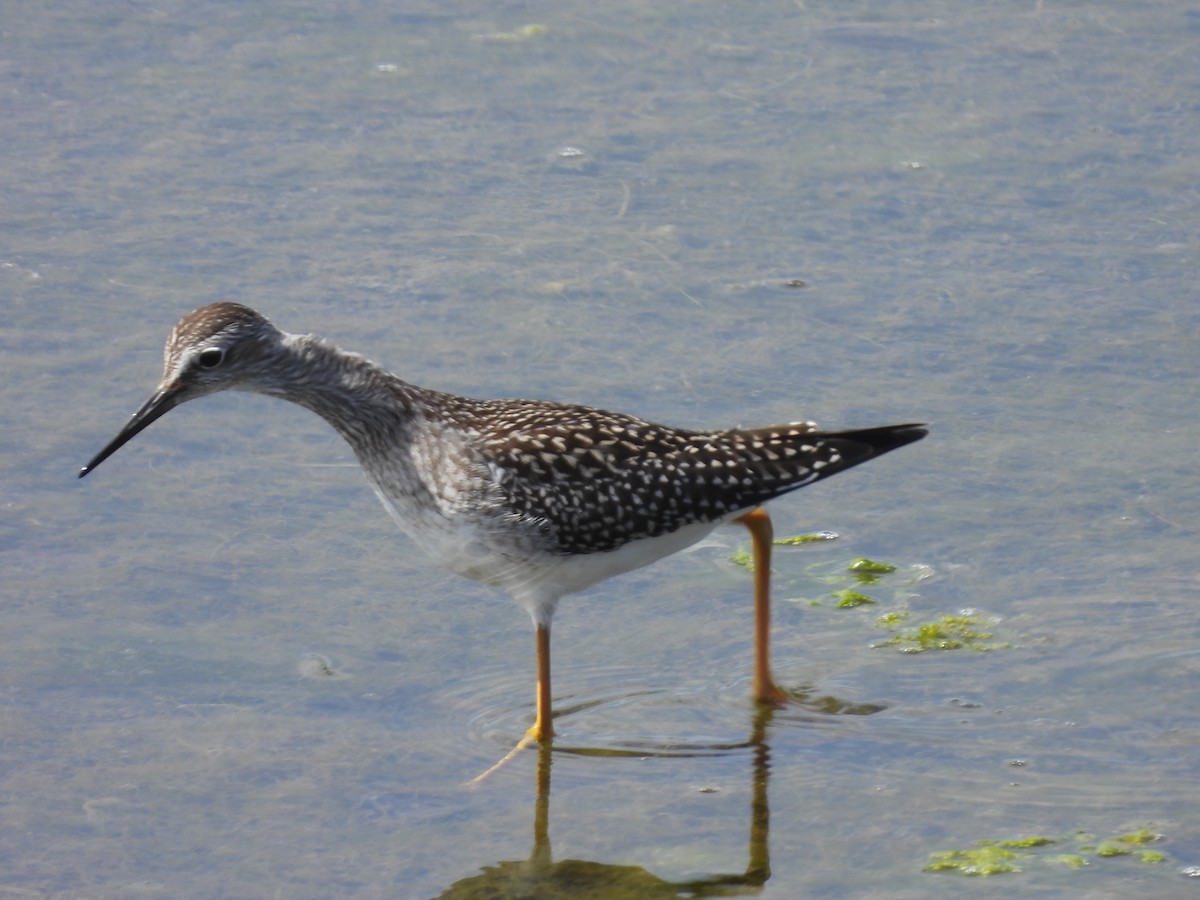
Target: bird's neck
358,398
394,427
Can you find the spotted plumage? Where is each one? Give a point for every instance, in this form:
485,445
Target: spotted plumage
598,480
539,498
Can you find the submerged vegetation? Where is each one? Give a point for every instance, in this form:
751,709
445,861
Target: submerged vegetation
949,632
989,857
860,583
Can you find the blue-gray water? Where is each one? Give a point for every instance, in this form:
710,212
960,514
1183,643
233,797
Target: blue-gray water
223,673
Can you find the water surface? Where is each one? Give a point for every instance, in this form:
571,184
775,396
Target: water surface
225,674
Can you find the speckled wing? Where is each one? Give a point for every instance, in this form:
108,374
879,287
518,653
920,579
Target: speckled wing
593,480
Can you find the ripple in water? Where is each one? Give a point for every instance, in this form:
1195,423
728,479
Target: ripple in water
629,711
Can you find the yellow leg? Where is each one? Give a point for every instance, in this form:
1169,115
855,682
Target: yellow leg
758,523
542,729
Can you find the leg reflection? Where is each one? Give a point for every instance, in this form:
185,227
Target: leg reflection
541,875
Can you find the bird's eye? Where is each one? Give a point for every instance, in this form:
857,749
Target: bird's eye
210,357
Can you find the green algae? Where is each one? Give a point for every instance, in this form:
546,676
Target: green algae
949,632
522,33
994,857
847,599
796,540
988,860
743,558
868,571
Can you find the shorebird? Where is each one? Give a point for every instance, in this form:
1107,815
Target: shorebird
541,499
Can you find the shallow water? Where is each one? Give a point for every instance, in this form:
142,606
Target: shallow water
225,674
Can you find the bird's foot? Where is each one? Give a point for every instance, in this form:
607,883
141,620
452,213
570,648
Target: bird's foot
527,741
771,694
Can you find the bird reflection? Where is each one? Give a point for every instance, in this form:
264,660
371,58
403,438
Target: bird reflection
542,878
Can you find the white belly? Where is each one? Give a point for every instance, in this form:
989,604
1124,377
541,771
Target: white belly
514,561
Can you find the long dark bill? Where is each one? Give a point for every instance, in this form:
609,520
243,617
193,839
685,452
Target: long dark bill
162,402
